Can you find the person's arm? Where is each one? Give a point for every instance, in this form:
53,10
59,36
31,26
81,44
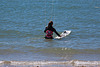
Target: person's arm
57,32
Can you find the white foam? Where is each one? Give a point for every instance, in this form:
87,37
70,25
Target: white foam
72,63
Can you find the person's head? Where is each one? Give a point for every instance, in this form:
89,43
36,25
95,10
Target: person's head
50,24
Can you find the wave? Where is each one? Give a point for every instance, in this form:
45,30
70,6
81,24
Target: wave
97,7
71,63
10,49
14,33
69,51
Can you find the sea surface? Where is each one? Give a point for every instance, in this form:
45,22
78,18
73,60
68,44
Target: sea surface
22,24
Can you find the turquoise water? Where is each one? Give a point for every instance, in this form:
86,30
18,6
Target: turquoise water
22,23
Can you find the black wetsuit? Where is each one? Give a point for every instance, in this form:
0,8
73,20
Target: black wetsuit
51,29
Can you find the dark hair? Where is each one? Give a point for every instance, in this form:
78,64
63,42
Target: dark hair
50,24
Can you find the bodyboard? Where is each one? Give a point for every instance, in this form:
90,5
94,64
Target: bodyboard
63,34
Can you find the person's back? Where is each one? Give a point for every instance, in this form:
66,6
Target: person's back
49,31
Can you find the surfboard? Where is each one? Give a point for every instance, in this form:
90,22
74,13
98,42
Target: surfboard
63,34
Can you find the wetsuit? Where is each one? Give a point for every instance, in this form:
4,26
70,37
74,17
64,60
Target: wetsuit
49,32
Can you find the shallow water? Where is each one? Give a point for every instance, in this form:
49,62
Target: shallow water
22,23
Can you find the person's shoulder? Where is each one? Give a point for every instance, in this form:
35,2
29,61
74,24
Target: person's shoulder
53,28
46,27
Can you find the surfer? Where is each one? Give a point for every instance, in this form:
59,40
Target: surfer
49,31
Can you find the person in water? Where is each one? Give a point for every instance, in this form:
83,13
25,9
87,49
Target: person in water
49,31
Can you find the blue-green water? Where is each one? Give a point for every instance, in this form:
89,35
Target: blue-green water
22,23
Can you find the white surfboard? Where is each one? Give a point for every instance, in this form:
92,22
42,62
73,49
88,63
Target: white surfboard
63,34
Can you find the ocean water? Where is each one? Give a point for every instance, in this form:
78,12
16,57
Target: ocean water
22,24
